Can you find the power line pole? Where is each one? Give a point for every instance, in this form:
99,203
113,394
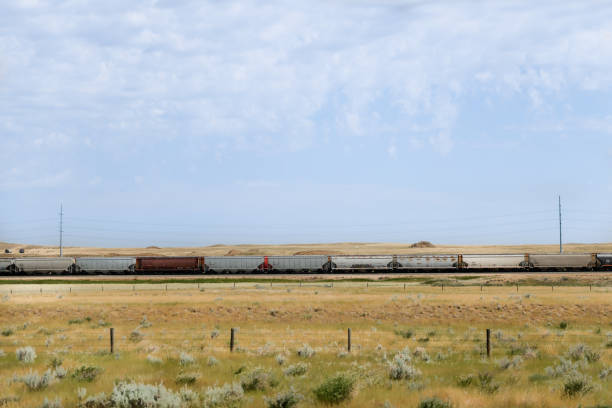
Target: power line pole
61,230
560,234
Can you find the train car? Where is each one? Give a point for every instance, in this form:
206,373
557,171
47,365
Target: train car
170,264
362,262
113,265
297,263
493,262
236,264
605,261
5,265
43,265
561,261
428,262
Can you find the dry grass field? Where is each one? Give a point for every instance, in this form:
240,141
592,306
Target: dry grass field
409,343
351,248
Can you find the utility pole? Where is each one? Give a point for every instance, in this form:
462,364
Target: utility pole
61,231
560,234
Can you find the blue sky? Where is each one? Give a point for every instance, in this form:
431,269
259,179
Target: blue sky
204,122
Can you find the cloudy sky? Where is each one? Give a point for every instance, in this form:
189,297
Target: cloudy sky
202,122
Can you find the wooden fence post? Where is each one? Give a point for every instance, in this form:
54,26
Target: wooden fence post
112,340
488,342
348,346
232,331
517,287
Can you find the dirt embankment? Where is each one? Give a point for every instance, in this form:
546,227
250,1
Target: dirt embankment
342,248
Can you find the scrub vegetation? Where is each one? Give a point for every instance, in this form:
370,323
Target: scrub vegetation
413,346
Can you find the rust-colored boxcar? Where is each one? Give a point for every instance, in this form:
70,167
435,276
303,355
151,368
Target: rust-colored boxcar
170,264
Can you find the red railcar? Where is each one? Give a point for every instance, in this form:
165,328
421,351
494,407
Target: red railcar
170,264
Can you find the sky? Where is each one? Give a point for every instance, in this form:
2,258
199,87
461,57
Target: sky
176,123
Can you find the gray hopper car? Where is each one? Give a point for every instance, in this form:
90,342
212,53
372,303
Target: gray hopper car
493,262
429,262
233,264
361,262
42,265
104,265
5,264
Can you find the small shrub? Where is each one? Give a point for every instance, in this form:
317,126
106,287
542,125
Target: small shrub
55,362
60,372
591,356
434,402
487,384
465,380
306,351
296,369
154,360
605,372
36,382
506,363
75,321
576,384
185,359
7,400
191,398
287,399
136,336
280,359
86,373
609,344
7,332
421,354
256,379
214,333
134,395
212,361
563,325
229,395
335,389
405,333
186,378
56,403
400,369
564,366
144,323
26,354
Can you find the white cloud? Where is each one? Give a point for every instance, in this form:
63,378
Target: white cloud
392,150
277,75
441,142
20,179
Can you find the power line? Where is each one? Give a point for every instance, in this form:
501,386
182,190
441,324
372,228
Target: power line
61,231
560,236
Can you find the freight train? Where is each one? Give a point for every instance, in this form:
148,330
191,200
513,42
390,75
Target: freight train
305,264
